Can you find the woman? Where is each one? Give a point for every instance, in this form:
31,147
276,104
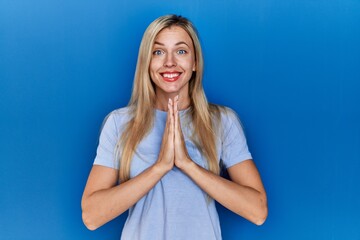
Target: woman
160,156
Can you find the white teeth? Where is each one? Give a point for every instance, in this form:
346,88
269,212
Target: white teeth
171,75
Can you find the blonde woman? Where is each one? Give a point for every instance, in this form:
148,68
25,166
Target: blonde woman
160,156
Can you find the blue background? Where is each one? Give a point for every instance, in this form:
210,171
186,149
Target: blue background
291,70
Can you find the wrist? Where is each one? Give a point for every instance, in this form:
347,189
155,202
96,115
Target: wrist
187,165
160,168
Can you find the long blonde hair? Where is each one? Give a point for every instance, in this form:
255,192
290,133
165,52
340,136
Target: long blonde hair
142,102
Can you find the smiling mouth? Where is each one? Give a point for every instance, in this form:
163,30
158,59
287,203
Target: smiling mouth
170,77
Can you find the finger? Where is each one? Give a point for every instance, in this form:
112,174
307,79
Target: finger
171,110
171,118
167,123
176,104
176,113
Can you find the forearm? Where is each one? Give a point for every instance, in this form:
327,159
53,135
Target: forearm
106,204
243,200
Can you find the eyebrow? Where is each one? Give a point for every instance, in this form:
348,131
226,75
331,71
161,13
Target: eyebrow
176,44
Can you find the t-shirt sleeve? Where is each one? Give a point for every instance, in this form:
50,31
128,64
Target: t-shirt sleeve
105,154
234,145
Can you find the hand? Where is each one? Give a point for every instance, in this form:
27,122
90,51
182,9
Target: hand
173,150
181,154
167,153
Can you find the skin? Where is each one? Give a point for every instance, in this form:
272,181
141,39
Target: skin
173,52
244,194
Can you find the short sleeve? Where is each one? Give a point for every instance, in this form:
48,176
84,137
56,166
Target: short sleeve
105,154
234,145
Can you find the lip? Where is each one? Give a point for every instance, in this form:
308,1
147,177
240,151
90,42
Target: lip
170,76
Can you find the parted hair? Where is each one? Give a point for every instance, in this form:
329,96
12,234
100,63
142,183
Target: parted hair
142,102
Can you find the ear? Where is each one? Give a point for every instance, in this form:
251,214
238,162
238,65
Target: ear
194,67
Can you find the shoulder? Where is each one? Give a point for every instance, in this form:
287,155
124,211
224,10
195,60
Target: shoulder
119,115
230,118
123,112
117,118
224,115
225,120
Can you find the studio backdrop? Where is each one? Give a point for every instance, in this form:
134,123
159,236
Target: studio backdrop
290,69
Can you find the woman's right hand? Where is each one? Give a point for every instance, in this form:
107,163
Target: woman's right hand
167,154
104,199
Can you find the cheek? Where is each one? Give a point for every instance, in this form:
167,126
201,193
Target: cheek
153,68
156,62
190,66
190,63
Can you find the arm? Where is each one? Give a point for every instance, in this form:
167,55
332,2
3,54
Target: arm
103,199
244,194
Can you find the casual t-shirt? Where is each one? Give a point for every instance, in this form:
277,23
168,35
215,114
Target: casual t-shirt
175,208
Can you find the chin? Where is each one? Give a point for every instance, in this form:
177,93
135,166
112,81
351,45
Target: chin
170,89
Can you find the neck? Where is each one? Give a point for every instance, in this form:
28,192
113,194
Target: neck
163,99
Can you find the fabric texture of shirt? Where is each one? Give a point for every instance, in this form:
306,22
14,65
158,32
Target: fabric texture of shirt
175,208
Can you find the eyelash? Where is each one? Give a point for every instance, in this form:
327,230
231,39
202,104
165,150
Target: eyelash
160,52
182,50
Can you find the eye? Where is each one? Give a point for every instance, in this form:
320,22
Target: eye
158,52
181,52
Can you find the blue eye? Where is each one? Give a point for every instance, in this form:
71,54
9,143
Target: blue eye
181,52
157,52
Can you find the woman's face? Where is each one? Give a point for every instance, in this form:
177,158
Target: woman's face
173,62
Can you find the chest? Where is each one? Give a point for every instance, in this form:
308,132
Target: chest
147,152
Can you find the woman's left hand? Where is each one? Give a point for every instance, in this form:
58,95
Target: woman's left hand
181,154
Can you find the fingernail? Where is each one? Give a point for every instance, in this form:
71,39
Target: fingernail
177,97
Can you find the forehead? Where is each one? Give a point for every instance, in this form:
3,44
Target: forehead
173,35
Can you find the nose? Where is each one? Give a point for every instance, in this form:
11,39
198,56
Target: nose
170,61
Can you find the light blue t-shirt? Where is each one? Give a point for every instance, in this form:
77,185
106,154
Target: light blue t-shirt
176,208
